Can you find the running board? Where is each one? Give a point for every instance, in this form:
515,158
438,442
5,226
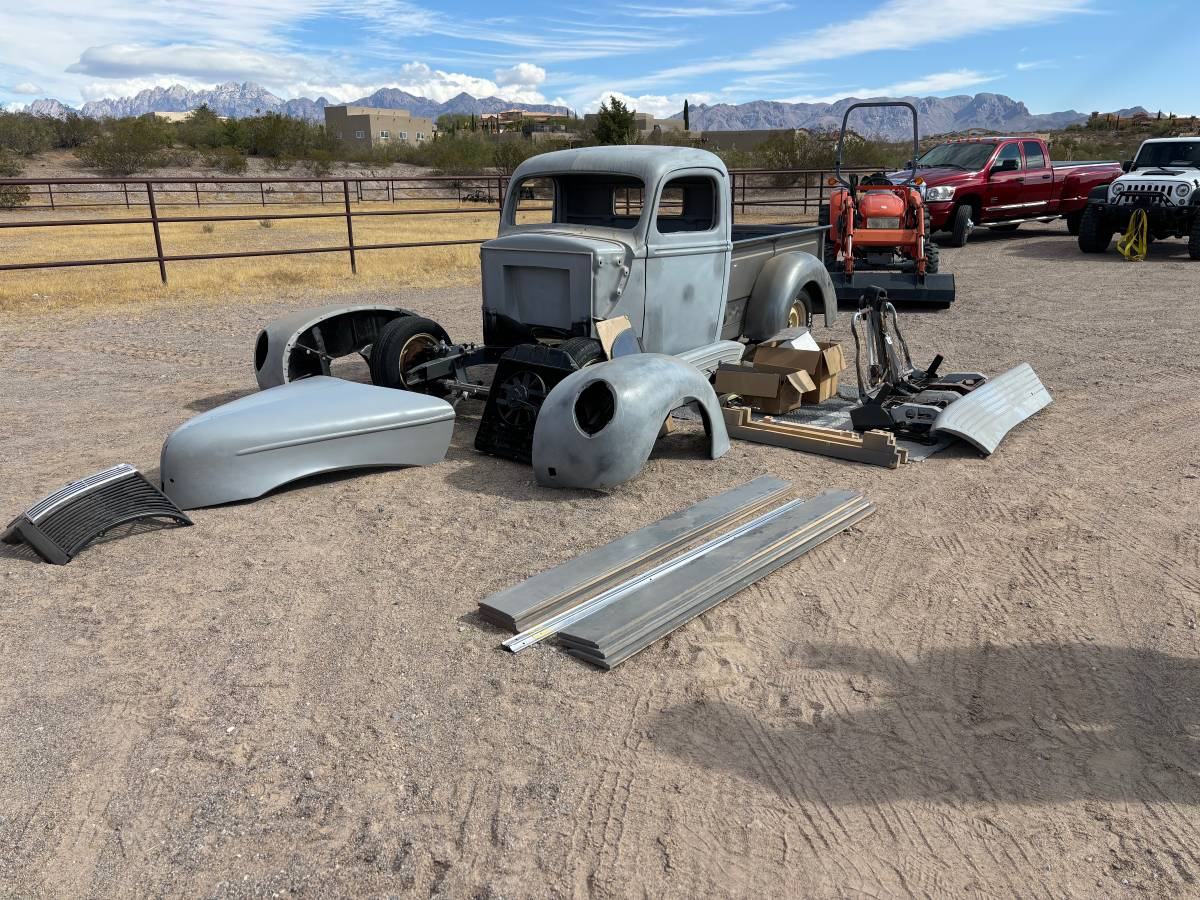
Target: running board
983,417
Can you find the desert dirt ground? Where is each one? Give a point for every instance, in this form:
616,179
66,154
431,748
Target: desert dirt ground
990,687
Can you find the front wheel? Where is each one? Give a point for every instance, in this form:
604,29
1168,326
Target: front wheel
1194,238
961,226
1094,234
402,344
933,258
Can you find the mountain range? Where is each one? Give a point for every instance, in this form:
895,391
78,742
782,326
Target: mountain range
936,115
249,99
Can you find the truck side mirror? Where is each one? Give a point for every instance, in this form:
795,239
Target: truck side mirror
1127,165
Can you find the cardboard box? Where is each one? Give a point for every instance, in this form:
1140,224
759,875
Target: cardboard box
771,392
822,366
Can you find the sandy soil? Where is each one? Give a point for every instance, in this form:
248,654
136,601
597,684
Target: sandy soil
989,687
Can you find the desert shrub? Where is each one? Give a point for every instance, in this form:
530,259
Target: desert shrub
208,227
126,146
280,163
508,153
73,130
266,223
319,163
203,129
178,157
227,160
11,166
25,133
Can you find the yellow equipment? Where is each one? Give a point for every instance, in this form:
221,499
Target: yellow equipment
1134,243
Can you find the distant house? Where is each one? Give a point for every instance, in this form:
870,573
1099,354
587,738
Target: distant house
367,126
180,116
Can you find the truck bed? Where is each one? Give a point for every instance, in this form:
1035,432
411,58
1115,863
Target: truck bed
1083,162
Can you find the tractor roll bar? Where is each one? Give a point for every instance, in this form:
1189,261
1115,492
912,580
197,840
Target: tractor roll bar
837,163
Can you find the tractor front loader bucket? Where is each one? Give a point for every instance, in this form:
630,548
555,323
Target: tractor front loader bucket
901,287
985,415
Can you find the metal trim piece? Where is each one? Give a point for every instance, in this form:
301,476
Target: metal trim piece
984,416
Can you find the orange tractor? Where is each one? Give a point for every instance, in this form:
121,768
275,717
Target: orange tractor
879,231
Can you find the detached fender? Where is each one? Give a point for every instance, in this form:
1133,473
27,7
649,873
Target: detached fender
598,425
781,279
300,345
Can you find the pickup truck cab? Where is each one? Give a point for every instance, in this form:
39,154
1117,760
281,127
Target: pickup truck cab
1000,182
1164,181
646,232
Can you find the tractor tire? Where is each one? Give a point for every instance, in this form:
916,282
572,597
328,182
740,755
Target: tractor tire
961,225
823,214
933,258
1194,237
401,344
1006,229
1073,220
1094,234
584,351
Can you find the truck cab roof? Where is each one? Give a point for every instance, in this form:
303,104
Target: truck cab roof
648,163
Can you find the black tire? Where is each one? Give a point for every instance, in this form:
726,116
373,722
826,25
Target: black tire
1094,234
960,228
583,350
1073,220
933,258
1194,237
402,343
1006,229
823,214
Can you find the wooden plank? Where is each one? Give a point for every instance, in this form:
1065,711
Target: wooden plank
547,593
877,448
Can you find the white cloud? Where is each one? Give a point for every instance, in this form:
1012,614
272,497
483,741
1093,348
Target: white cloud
708,10
1036,64
180,60
27,87
937,83
893,25
522,74
660,106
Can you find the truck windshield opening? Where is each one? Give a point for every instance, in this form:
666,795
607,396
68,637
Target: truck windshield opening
586,198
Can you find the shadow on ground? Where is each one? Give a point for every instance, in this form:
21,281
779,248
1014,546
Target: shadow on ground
1029,724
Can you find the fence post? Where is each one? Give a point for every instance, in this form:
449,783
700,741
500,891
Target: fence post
262,193
322,184
158,248
196,188
125,188
50,191
349,226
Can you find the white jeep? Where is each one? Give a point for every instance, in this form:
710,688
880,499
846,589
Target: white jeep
1163,180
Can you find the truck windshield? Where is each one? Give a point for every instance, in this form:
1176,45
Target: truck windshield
1170,153
586,198
968,157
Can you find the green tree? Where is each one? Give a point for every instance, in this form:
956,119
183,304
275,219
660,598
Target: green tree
510,152
126,146
615,123
24,133
203,129
687,124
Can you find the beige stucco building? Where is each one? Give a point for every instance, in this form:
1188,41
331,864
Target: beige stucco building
367,126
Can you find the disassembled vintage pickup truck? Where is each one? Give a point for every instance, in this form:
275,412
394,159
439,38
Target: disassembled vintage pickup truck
643,232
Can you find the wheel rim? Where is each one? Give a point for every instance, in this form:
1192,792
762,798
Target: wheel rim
796,315
416,350
520,398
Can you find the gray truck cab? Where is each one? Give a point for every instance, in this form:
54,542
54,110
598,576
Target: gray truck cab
641,231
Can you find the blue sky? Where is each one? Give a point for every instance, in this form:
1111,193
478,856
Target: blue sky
1052,54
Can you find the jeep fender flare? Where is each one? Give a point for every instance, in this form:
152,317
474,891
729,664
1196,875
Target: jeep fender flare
597,426
781,279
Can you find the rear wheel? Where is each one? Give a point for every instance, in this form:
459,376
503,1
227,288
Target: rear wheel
1094,234
961,225
1194,238
584,351
402,344
800,312
1073,222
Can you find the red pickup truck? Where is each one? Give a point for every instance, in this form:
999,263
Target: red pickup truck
1000,182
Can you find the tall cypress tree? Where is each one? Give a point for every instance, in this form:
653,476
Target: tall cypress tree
686,124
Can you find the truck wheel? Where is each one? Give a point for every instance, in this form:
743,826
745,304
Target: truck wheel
1094,234
584,351
1194,238
800,312
933,258
1073,223
402,344
961,226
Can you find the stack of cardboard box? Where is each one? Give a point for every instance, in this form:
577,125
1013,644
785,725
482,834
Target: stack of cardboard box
785,372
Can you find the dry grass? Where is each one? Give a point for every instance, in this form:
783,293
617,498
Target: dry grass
219,280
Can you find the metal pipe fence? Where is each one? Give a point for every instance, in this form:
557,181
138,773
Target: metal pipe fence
780,192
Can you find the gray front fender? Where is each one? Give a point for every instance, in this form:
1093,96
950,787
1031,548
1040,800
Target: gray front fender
781,279
623,403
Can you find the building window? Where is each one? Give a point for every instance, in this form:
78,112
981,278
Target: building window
404,135
385,134
420,136
360,134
